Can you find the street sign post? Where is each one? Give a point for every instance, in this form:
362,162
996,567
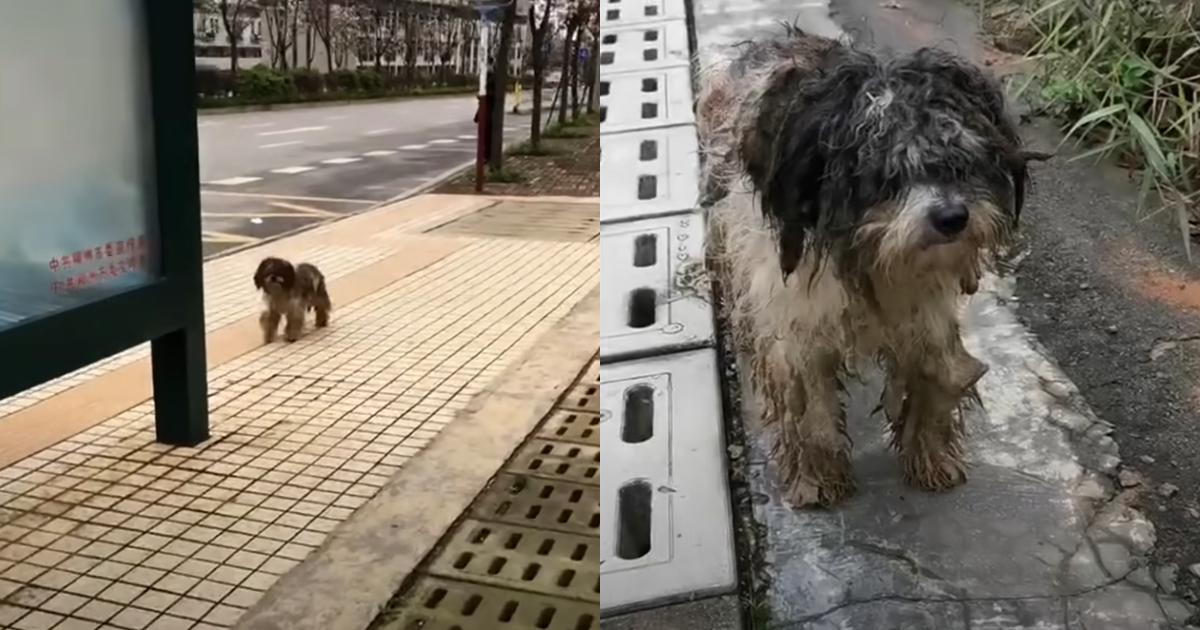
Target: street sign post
490,12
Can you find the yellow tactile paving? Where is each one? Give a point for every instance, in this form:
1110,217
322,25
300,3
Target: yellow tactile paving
110,530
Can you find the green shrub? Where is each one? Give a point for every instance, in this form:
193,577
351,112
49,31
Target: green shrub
265,84
308,81
343,81
370,81
214,82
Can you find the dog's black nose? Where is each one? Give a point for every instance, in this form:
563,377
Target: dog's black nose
949,217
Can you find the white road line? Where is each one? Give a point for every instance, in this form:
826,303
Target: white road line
234,181
293,170
380,132
296,130
443,141
468,137
280,144
414,147
257,126
345,160
380,153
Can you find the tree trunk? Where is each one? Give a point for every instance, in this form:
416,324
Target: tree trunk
296,37
594,91
575,74
497,120
565,76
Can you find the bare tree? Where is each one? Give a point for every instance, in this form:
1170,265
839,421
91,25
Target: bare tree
377,25
236,16
573,24
468,41
410,43
496,133
280,19
538,29
344,36
320,18
585,10
310,35
445,35
594,61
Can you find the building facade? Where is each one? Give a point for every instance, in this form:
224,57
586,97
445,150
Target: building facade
431,36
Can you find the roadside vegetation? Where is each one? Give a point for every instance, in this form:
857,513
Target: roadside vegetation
263,85
1123,78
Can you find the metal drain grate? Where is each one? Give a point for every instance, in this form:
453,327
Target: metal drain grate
573,426
583,397
527,556
571,222
552,563
557,460
572,508
437,604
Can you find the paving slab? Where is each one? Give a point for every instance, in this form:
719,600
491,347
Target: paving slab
100,524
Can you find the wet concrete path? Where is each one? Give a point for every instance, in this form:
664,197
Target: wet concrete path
1041,536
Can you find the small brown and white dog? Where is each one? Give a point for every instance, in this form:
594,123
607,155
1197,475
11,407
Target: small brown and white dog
854,200
289,292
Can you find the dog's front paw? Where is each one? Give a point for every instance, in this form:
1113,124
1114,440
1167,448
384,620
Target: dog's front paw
806,494
933,472
825,479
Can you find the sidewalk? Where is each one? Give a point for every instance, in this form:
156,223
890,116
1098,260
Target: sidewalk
440,302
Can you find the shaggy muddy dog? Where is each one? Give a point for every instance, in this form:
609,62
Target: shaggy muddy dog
854,200
288,293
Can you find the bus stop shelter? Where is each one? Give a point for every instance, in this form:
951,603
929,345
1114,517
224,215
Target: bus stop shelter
100,244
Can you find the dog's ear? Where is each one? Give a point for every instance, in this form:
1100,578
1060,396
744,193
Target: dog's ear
260,274
789,153
287,273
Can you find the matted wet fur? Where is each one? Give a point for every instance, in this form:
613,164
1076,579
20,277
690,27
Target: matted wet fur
854,201
289,292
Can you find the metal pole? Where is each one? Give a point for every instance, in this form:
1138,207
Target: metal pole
484,114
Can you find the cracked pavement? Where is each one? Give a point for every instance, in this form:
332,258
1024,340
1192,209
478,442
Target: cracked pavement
1041,537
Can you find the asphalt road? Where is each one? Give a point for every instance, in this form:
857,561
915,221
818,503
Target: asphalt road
266,173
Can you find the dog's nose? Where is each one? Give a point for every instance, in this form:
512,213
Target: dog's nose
949,217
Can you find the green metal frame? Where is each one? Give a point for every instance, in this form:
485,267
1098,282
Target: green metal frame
168,312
